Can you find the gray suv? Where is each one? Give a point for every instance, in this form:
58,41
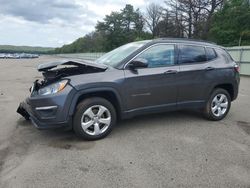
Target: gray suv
137,78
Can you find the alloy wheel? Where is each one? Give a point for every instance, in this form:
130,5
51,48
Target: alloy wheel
96,120
219,105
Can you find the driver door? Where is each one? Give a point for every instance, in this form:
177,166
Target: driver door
153,87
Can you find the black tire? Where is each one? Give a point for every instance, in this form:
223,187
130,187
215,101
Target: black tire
82,107
208,108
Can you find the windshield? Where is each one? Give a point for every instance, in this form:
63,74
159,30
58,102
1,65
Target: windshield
114,57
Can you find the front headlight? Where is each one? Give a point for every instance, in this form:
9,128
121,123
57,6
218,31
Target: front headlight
53,88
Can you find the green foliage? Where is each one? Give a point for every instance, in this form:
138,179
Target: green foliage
24,49
224,22
231,25
92,42
116,29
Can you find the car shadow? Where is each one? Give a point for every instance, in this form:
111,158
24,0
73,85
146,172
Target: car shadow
61,139
165,117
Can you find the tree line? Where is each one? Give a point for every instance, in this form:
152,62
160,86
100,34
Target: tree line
226,22
25,49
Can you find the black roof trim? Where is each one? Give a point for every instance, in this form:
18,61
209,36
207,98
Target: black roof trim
185,40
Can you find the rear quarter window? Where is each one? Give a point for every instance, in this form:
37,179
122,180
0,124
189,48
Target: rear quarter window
225,55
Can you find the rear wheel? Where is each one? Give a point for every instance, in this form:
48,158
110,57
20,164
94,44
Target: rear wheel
218,105
94,118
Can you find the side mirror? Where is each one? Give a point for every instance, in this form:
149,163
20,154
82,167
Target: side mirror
138,63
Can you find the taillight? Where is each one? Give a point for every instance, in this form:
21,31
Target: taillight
237,68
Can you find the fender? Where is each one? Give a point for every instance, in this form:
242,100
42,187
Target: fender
92,90
211,88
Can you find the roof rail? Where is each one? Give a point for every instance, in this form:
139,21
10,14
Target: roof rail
186,39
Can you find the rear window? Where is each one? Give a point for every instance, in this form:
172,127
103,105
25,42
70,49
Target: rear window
192,54
211,54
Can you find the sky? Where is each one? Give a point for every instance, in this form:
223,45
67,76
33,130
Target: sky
52,23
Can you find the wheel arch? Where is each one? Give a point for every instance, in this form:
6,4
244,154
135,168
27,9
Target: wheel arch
109,94
228,87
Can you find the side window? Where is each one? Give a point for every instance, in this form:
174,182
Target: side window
191,54
211,54
159,55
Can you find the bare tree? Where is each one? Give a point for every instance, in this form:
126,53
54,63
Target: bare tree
152,17
179,15
211,7
194,16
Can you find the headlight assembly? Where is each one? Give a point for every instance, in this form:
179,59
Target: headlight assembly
53,88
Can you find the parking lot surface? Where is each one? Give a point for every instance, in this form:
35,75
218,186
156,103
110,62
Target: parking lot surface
174,149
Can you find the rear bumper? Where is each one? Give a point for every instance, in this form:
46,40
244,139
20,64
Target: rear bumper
236,87
236,91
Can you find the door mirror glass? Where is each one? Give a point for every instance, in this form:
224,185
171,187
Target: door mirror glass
138,63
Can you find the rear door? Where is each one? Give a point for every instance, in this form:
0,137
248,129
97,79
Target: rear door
196,74
154,86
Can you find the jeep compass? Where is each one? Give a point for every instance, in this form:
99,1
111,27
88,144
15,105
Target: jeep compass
142,77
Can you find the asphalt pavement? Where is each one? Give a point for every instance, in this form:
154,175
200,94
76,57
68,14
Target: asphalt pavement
174,149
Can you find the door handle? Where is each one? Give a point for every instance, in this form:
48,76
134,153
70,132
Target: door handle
171,72
209,68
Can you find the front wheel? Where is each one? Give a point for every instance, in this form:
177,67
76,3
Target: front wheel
94,118
218,105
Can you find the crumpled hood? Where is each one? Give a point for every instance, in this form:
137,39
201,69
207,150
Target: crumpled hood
80,63
59,69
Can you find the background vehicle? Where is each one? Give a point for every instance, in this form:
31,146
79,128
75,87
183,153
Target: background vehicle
137,78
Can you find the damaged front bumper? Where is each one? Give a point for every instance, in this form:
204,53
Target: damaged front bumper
48,112
41,123
21,110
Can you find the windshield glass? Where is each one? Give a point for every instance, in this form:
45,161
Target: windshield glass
114,57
